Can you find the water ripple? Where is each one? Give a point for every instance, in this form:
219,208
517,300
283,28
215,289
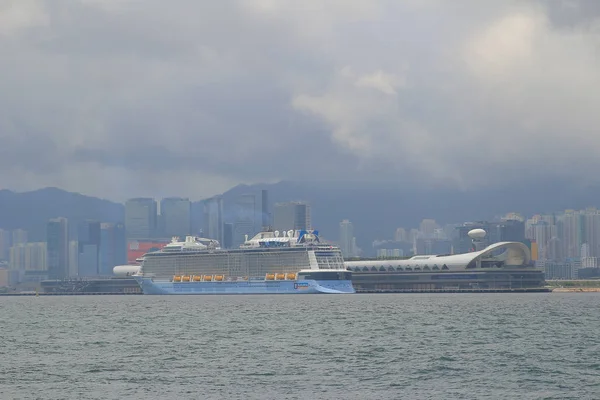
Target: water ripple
541,346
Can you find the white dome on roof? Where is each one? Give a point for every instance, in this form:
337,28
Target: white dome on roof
477,233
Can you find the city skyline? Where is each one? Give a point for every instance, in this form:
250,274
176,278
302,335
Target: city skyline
563,244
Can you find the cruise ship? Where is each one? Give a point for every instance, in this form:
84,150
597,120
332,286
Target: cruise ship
290,262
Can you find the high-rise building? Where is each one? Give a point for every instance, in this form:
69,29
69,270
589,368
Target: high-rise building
88,239
245,218
175,216
113,247
141,218
291,215
36,256
427,228
29,257
347,239
264,204
570,232
5,243
19,236
227,236
73,257
17,257
213,219
554,250
401,235
591,231
57,239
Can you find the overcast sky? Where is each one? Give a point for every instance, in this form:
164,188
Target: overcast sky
119,98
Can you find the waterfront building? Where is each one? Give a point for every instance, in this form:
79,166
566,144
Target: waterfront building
88,255
500,266
141,218
57,239
136,248
113,247
175,217
213,218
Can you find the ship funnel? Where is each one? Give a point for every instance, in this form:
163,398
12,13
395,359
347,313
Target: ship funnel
245,237
276,233
291,233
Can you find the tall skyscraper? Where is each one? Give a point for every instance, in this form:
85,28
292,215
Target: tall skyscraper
428,227
591,234
17,257
401,235
264,203
73,257
227,236
57,239
175,215
19,236
113,247
88,239
347,239
245,218
213,219
5,244
570,231
36,256
141,218
291,215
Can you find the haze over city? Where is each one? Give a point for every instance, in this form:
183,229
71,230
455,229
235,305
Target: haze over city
322,199
118,99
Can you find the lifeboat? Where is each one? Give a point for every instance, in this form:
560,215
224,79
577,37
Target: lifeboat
197,278
186,278
177,278
218,278
280,277
270,277
207,278
290,276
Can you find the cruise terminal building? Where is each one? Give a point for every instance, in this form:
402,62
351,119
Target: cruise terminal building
504,266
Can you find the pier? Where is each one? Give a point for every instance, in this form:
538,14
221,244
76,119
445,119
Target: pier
68,294
472,290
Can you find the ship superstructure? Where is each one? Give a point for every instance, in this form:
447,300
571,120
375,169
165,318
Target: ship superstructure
269,262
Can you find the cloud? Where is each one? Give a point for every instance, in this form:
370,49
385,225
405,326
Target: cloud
128,96
17,16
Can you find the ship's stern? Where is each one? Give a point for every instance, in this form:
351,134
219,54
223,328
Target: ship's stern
327,281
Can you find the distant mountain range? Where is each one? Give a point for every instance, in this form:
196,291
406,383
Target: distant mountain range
31,210
376,209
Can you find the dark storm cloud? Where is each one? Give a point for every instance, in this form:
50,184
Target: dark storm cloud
242,91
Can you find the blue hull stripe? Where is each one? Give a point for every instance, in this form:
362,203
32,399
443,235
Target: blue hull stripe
149,286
